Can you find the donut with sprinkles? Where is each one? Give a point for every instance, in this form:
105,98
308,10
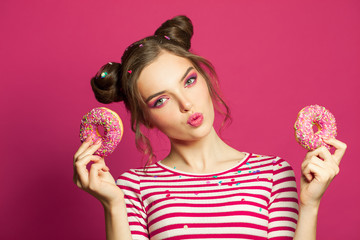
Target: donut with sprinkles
323,119
113,129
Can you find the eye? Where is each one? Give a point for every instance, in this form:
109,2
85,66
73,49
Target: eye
191,80
160,102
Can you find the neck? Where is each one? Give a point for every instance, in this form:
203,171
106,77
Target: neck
199,155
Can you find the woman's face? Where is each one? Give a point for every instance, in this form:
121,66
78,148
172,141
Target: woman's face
177,98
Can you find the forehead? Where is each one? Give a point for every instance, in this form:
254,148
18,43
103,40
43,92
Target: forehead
161,74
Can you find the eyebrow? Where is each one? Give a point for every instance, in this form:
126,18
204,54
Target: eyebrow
156,94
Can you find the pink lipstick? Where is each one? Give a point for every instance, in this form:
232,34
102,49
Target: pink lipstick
195,119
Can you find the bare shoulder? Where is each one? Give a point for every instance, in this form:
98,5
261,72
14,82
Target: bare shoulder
233,154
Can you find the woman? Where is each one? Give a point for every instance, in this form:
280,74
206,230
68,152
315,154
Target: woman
204,188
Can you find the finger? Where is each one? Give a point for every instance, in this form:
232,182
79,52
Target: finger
318,162
329,165
105,169
94,175
83,147
311,171
339,146
83,161
80,168
321,152
313,160
91,150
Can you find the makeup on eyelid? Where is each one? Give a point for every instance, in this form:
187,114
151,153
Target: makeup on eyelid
194,75
153,104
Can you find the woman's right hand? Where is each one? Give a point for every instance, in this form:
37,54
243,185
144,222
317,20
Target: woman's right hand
98,181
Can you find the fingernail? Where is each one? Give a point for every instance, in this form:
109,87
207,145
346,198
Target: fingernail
88,139
98,141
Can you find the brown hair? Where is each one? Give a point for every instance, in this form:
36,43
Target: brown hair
117,82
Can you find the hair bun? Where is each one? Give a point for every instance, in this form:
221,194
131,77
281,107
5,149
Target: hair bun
179,29
106,83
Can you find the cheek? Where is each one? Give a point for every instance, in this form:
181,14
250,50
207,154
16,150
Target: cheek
163,119
203,94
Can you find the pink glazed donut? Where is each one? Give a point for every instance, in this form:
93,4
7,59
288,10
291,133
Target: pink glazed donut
320,117
113,129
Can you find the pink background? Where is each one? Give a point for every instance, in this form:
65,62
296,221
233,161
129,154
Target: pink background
272,57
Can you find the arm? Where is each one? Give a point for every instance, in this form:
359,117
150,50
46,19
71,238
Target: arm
116,221
306,226
318,170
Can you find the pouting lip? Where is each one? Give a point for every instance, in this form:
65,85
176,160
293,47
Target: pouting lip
195,119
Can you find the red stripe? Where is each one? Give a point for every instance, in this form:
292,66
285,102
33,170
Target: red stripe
284,209
282,228
139,233
289,219
209,225
241,176
206,215
239,194
238,188
122,187
206,205
216,236
130,206
281,190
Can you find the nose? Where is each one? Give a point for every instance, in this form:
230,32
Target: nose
185,105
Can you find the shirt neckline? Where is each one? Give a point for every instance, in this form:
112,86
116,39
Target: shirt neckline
243,161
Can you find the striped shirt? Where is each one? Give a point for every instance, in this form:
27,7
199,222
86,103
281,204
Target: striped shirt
256,199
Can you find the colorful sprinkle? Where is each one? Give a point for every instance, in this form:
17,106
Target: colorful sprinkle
208,182
215,176
130,71
186,226
141,45
103,74
260,209
167,37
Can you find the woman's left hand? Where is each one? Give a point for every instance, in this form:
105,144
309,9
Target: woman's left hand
318,170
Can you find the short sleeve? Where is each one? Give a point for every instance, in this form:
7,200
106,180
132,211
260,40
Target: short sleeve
129,183
283,206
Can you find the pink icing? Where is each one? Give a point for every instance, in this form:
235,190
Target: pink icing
113,129
320,116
